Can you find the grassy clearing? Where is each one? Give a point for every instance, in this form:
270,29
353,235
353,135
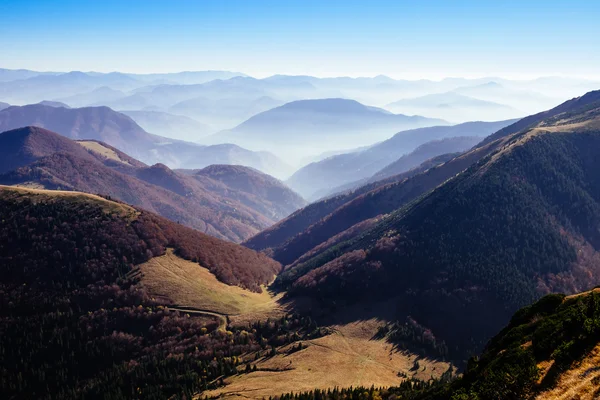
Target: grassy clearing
581,382
189,285
100,149
347,357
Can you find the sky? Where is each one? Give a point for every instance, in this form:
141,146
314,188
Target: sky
402,39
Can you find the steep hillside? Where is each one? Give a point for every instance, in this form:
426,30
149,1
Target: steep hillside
425,152
306,126
319,178
23,146
34,156
97,123
423,157
518,223
120,131
260,187
549,350
314,225
77,319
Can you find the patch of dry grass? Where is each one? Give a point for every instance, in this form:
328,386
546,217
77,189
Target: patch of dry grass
581,382
347,357
187,284
102,150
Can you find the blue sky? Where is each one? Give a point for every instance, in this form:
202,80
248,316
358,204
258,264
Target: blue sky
410,39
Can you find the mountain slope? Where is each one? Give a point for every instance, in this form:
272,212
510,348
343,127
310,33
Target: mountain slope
321,177
425,152
120,131
49,160
318,125
461,259
453,106
170,125
46,86
290,238
549,350
78,319
23,146
283,201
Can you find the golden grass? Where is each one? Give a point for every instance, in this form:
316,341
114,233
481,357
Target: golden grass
581,382
595,290
102,150
187,284
347,357
46,196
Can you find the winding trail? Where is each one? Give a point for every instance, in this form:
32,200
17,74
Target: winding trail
223,318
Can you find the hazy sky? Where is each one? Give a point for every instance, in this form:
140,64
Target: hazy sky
402,39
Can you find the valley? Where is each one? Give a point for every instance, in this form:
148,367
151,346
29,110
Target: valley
299,200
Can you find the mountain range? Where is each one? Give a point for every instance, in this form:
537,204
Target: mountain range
170,125
454,106
438,262
303,127
223,207
463,244
325,177
120,131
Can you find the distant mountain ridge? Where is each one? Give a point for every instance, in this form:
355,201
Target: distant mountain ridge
321,178
299,126
35,156
463,245
120,131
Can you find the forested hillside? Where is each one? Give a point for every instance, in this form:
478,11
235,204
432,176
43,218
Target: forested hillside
317,223
76,321
519,223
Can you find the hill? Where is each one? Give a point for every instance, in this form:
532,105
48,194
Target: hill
454,106
307,127
96,97
290,238
83,321
53,103
261,188
120,131
425,152
460,259
34,156
320,178
46,86
170,125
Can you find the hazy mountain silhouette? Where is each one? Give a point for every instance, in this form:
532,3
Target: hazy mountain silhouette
120,131
305,126
323,177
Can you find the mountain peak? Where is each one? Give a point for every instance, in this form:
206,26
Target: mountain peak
325,105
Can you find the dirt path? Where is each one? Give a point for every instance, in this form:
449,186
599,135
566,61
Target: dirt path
223,318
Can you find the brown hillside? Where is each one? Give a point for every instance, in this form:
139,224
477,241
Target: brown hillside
55,162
